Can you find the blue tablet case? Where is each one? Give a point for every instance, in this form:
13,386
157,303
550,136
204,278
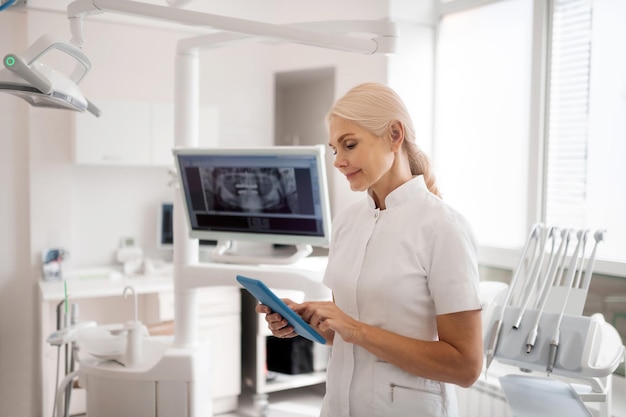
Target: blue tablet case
262,293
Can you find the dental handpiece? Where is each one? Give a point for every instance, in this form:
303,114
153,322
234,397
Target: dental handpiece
554,342
554,346
548,283
537,272
493,342
497,326
598,237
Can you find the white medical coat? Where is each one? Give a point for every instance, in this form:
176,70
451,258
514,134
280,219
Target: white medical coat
397,269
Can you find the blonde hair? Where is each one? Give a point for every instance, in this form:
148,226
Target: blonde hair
375,107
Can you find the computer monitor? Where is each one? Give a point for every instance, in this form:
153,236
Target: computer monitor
166,228
276,195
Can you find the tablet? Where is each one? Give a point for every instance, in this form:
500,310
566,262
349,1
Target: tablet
262,293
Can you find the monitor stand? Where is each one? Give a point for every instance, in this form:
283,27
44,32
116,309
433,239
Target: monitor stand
225,252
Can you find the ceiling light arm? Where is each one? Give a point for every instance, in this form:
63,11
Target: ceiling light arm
82,8
209,41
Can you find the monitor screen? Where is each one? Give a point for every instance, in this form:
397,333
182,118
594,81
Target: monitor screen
166,227
276,195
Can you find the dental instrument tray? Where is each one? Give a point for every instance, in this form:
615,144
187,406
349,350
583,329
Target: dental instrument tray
588,346
262,293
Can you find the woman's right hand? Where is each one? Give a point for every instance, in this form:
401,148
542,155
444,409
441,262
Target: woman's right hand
275,322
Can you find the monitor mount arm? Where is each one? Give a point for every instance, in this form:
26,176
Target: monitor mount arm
222,253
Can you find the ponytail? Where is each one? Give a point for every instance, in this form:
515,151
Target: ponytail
420,165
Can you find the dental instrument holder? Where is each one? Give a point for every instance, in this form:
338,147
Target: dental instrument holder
590,349
134,335
589,346
567,344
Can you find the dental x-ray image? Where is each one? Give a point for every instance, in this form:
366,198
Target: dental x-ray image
251,190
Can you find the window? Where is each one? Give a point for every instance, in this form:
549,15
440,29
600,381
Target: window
530,120
567,121
482,103
605,199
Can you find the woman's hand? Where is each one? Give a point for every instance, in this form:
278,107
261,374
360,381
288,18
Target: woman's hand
275,322
327,318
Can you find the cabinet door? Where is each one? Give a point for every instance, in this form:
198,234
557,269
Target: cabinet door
224,336
162,134
163,131
120,136
135,133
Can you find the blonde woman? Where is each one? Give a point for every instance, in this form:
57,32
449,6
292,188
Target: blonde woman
405,320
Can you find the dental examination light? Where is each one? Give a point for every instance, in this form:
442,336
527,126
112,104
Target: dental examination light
30,79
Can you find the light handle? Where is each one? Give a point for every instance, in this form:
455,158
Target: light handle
47,43
18,66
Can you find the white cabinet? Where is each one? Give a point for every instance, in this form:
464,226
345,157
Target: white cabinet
135,133
120,136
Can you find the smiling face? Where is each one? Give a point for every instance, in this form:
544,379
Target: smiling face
369,162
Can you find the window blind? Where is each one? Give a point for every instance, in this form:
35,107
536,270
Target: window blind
568,112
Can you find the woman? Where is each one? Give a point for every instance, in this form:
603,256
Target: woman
405,320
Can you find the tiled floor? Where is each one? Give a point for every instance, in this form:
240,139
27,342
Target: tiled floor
300,402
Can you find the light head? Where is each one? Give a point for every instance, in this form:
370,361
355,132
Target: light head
40,85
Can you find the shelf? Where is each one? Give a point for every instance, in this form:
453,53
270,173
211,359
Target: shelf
286,381
96,285
254,335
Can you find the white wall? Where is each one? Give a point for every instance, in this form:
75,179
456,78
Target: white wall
46,200
88,209
18,308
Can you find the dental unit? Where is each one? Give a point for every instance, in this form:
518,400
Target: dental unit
560,340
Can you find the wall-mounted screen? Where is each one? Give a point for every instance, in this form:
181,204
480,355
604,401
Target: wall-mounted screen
275,195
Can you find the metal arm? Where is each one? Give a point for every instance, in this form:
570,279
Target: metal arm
379,44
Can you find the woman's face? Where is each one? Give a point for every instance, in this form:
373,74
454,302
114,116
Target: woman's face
364,158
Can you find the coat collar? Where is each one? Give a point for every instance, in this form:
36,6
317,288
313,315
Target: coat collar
402,193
